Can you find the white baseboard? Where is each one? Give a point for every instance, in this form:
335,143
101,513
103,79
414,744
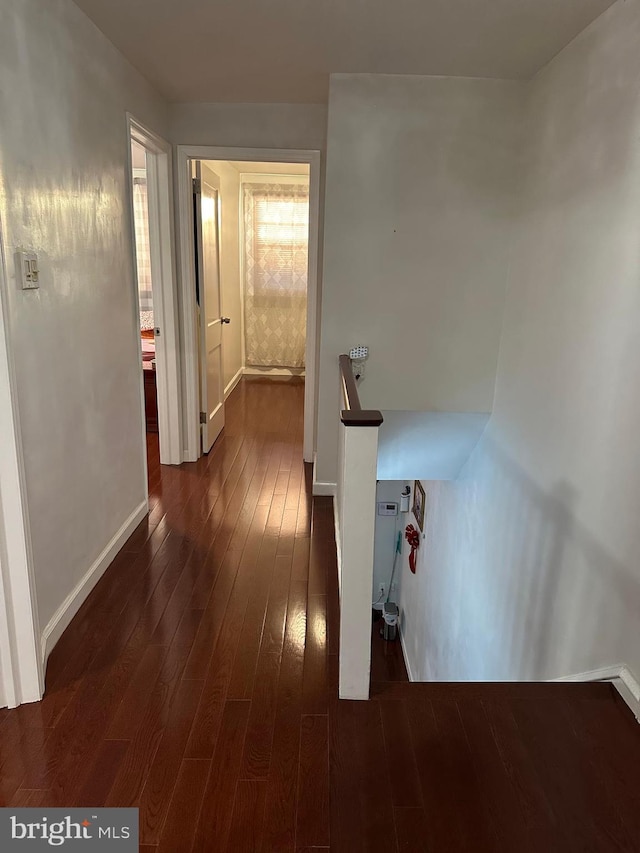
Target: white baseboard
622,679
320,489
72,603
336,527
405,656
233,383
327,490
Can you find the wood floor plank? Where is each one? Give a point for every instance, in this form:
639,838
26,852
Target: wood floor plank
312,818
539,821
212,618
246,659
258,743
103,773
135,768
345,820
462,784
314,691
214,824
318,565
400,759
437,778
184,810
495,792
24,756
204,733
163,773
279,832
610,735
576,796
248,817
374,783
129,713
411,829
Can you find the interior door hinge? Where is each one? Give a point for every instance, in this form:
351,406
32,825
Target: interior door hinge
197,185
203,417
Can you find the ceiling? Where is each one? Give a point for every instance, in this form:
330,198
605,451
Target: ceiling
282,51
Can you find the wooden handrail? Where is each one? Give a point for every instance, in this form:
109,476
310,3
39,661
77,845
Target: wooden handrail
353,414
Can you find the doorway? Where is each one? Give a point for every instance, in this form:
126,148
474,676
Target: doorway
156,303
267,207
145,287
251,258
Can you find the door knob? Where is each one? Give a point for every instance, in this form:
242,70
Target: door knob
225,319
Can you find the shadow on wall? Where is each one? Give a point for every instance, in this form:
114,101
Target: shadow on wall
511,586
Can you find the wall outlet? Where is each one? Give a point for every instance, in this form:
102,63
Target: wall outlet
382,589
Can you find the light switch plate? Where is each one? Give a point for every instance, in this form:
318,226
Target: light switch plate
27,269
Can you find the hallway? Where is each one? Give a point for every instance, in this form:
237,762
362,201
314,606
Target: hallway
199,683
193,683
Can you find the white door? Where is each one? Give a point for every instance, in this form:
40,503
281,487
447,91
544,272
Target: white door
206,187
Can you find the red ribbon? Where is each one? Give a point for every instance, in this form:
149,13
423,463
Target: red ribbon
413,538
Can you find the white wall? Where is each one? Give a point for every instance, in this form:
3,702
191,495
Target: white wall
531,568
230,285
427,445
420,195
250,125
63,193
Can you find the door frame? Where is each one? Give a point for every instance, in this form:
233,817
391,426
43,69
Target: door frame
165,291
184,155
21,661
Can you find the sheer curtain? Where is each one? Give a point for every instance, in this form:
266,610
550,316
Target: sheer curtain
143,254
276,228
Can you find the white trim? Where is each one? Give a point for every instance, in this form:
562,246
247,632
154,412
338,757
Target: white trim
313,312
233,383
405,654
241,267
266,178
78,595
620,676
336,526
165,297
628,687
327,490
184,154
187,285
320,489
20,661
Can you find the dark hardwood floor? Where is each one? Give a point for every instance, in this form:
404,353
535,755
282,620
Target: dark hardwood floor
198,682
